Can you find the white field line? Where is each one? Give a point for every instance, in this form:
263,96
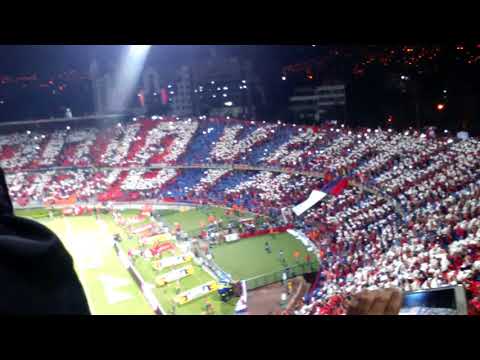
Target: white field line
71,241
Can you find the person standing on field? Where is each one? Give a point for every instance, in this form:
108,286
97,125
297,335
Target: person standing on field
268,247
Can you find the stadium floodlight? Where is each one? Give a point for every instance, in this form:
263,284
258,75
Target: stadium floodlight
139,49
127,75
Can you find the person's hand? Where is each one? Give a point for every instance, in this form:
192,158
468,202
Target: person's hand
377,302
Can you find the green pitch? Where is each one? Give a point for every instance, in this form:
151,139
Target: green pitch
247,258
190,220
109,288
166,293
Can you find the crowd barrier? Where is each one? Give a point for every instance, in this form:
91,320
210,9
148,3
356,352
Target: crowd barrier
280,229
275,277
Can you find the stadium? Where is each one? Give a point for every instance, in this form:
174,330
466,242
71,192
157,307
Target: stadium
195,203
222,215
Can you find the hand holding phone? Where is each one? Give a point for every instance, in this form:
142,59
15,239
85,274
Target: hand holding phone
377,302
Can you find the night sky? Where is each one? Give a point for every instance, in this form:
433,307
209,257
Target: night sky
45,59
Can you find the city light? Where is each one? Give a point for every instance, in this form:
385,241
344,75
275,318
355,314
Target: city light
284,78
229,103
440,107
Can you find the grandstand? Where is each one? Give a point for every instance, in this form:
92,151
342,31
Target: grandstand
402,208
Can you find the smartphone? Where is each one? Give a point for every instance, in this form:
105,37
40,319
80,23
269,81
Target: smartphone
448,300
6,207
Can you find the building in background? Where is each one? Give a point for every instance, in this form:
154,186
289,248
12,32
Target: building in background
217,86
225,86
182,97
316,104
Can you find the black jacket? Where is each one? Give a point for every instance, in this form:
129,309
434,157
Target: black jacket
36,271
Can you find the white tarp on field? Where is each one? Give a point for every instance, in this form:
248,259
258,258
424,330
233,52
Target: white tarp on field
314,198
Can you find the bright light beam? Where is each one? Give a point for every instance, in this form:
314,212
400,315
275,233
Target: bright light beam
128,75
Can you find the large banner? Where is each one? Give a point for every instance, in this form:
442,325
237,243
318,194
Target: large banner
196,293
171,261
313,199
232,237
174,275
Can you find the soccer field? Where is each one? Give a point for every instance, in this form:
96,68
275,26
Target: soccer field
109,288
190,220
247,258
244,259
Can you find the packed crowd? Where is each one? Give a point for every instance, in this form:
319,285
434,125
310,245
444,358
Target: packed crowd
412,220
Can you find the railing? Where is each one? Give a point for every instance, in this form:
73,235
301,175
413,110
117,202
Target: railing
277,276
167,166
64,119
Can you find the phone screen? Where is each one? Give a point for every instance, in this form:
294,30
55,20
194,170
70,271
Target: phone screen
442,301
